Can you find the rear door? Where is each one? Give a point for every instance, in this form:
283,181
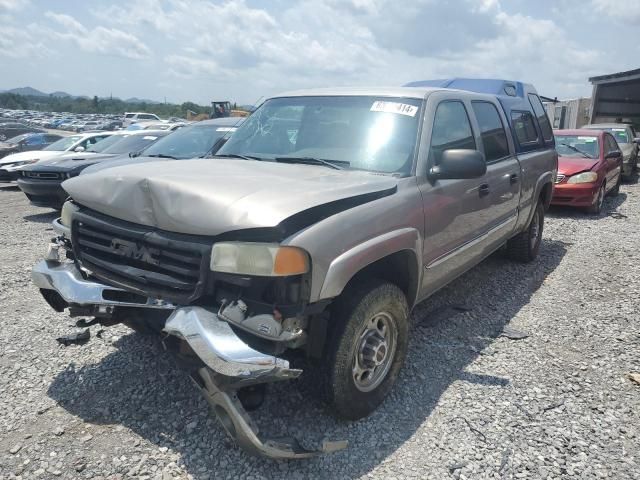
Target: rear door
502,180
613,165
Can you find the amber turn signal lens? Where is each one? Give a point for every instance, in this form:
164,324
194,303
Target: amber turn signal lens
290,261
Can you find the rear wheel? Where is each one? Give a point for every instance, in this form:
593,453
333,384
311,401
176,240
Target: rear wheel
596,208
616,190
524,247
367,347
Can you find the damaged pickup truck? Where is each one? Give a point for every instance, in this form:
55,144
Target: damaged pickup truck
312,233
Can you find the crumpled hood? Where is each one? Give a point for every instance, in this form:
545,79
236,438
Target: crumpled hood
29,155
125,160
210,197
572,165
8,146
68,162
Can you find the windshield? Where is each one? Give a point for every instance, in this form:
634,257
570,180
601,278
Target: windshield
619,133
103,144
131,144
189,142
360,132
577,146
64,144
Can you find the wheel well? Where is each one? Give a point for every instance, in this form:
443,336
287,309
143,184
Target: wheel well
545,195
399,268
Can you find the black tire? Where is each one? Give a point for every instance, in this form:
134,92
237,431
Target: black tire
596,208
524,247
145,322
616,190
369,303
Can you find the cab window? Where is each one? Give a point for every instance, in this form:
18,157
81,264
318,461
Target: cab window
494,137
525,129
451,130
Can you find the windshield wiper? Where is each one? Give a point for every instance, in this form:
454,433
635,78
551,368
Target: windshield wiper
161,155
336,164
235,155
584,154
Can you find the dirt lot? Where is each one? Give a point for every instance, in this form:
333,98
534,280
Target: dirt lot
471,403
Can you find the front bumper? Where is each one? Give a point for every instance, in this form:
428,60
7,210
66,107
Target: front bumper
43,193
229,362
8,175
574,195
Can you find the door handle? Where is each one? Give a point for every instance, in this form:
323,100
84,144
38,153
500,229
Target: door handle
484,190
513,178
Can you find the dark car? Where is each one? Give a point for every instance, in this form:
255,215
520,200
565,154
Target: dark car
13,129
193,141
41,182
589,167
27,142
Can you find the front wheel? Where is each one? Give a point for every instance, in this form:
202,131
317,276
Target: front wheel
596,208
524,247
616,190
367,347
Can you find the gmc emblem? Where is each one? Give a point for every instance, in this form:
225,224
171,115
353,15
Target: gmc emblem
135,251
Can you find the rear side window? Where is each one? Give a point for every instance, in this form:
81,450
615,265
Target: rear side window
525,128
451,130
543,120
610,144
494,138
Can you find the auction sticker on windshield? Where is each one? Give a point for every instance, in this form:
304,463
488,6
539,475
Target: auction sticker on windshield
587,139
394,107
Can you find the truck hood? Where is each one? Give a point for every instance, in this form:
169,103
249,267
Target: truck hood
210,197
572,165
29,155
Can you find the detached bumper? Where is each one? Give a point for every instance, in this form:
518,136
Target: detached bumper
230,363
43,193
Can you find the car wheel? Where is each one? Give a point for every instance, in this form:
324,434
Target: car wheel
367,346
524,247
616,190
596,208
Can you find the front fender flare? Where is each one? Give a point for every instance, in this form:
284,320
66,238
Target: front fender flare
344,267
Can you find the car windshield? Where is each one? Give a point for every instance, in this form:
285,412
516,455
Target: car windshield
354,132
577,146
131,144
103,144
189,142
619,133
64,144
18,138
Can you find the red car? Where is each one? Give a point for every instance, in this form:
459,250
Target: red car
589,168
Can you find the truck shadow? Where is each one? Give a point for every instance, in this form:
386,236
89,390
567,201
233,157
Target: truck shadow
44,217
139,386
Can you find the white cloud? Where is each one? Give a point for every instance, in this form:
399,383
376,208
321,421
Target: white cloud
13,4
20,43
106,41
625,11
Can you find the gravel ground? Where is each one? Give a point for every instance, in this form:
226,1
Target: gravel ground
471,403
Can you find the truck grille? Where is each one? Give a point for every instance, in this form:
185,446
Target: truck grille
141,259
559,178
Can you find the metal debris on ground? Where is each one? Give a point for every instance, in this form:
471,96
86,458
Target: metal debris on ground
513,334
77,338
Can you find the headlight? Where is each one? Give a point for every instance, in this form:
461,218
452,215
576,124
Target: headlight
262,259
585,177
68,209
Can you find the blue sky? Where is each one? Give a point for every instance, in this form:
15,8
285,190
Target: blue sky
242,50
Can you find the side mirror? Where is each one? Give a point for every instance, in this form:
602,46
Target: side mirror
459,164
613,154
79,149
636,140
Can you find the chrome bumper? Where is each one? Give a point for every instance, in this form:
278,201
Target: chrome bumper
229,362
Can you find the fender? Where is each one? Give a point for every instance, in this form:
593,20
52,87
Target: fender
343,268
526,210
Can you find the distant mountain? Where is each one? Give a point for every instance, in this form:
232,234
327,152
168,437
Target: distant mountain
61,94
27,91
141,100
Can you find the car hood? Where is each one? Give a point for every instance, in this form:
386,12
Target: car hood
572,165
29,155
205,197
123,160
8,146
64,163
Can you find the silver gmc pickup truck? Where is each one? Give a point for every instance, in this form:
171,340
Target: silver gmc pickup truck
312,233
